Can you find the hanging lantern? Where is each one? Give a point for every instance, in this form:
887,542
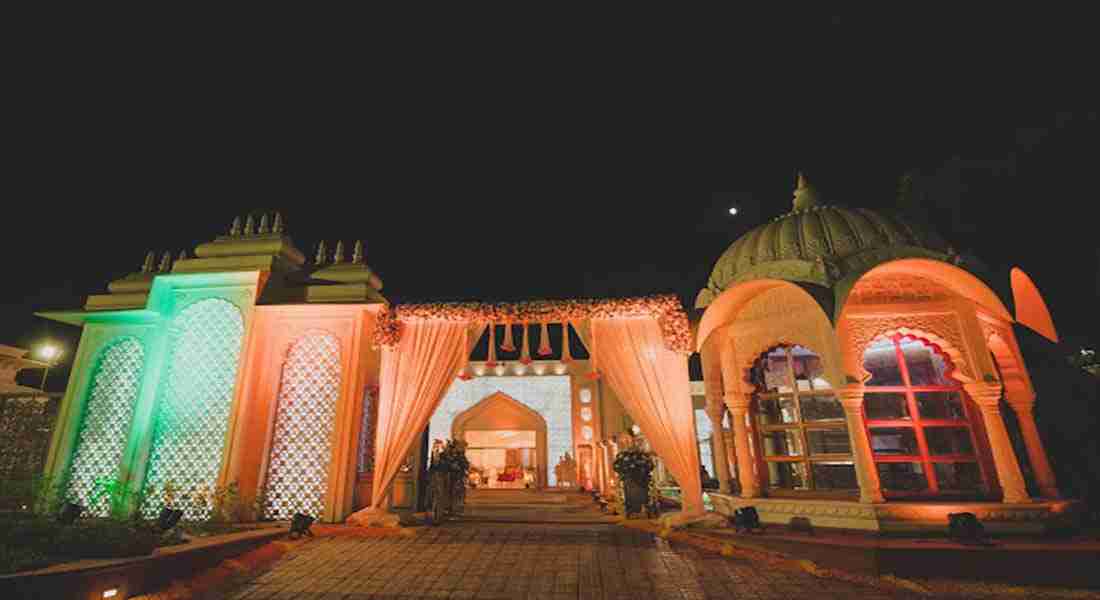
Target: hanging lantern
544,340
566,355
492,362
525,355
508,345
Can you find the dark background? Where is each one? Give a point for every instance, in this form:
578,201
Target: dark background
485,213
567,157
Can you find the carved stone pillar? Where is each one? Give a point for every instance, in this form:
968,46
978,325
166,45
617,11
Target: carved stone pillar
987,395
1024,407
714,413
738,405
870,490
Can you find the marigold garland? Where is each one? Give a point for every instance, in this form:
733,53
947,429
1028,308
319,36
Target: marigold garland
666,309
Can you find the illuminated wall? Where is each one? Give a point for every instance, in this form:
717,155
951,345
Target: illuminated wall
105,425
192,413
301,448
549,395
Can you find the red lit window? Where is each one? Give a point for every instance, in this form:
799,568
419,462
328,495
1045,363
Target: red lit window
800,425
918,421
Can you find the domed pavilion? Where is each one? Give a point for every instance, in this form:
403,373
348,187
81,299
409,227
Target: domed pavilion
865,374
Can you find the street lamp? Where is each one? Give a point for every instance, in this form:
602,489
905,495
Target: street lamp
48,353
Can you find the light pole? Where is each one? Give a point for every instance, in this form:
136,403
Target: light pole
49,353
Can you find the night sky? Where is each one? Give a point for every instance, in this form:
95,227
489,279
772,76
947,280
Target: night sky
535,187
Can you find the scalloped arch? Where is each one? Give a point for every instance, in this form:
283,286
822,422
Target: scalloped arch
959,368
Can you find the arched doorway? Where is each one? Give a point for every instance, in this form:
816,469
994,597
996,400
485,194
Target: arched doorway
506,440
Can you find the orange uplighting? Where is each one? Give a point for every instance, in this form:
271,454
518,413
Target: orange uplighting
1031,310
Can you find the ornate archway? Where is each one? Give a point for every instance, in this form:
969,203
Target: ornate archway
501,412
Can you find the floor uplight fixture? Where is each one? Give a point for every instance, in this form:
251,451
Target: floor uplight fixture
168,518
70,513
300,524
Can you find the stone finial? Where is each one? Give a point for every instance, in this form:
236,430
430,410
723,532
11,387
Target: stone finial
277,226
249,225
339,256
322,250
235,228
150,260
263,224
165,262
805,195
357,252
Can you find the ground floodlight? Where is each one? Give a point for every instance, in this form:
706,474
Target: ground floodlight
70,513
746,519
300,524
168,518
965,528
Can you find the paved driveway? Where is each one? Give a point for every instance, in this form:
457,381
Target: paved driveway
510,561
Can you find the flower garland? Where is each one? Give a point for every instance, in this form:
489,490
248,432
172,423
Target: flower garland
666,309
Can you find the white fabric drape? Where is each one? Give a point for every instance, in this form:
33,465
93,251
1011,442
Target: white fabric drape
416,374
653,384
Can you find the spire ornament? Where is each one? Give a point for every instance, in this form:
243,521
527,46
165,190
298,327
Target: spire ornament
235,228
150,260
182,256
277,226
263,224
805,195
339,257
357,253
249,225
165,262
321,251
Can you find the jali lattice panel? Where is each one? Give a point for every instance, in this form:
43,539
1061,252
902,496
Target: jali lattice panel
193,411
105,426
301,448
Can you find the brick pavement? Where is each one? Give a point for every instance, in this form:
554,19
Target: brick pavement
509,561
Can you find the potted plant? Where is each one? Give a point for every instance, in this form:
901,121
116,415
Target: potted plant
635,469
449,472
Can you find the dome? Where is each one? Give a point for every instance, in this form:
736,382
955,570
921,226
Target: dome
821,245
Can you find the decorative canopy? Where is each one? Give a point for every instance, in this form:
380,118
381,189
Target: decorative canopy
666,309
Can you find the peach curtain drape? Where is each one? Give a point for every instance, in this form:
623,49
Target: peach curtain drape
416,374
653,384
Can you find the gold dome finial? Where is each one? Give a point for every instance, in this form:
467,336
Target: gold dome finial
805,196
339,257
321,251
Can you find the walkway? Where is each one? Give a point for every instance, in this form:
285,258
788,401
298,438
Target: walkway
512,561
530,506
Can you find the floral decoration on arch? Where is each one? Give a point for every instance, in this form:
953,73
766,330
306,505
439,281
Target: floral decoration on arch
665,308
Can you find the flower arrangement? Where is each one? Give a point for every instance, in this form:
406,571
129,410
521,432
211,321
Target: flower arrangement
666,309
634,465
451,458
